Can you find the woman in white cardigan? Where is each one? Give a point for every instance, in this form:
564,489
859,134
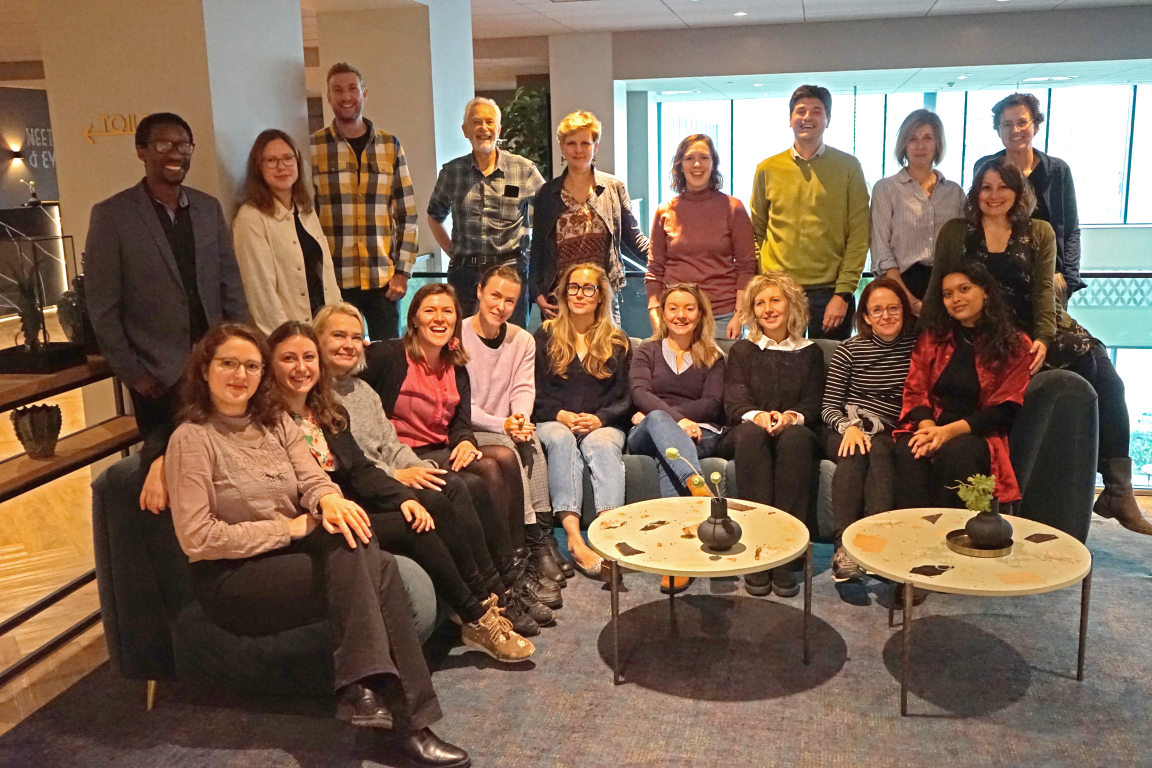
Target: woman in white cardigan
282,252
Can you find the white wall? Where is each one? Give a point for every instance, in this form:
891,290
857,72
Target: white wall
1101,34
453,83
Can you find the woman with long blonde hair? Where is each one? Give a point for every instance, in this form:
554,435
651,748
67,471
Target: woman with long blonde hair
772,397
582,402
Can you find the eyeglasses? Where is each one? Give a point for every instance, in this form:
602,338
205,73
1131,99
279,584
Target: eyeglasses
231,365
588,290
164,147
1019,125
877,312
288,161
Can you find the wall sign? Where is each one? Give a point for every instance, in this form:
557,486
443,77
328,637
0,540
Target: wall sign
111,125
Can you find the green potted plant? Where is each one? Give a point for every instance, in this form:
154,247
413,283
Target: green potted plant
527,127
986,529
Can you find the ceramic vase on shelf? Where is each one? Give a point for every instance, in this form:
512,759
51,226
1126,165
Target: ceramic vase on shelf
38,429
988,530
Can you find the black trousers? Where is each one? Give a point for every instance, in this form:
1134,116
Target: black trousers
818,298
916,279
466,277
779,470
1097,368
925,482
484,527
431,552
381,315
864,483
320,577
152,414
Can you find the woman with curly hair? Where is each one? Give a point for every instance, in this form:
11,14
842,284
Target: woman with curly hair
702,236
965,385
582,403
772,393
1020,252
274,545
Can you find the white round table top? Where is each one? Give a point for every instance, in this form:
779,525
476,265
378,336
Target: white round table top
908,545
660,537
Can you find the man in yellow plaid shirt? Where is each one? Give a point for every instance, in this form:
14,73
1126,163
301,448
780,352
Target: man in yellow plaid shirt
366,205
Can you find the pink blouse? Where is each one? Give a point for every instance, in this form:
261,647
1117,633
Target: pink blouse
427,402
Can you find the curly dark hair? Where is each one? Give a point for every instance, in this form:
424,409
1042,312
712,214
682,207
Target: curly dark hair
321,401
999,338
1017,100
679,183
862,327
1021,212
195,400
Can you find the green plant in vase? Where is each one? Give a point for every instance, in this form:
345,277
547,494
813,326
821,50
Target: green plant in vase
986,529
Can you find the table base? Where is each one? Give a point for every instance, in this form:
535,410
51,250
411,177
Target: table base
614,576
906,632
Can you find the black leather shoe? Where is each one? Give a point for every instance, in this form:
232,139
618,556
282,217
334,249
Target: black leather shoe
565,564
543,590
513,610
758,584
784,582
539,612
358,704
424,749
546,564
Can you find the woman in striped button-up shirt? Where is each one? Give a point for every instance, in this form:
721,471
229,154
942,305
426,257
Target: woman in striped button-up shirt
909,208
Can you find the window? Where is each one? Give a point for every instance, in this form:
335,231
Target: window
759,130
683,118
1135,365
950,110
1089,130
1139,189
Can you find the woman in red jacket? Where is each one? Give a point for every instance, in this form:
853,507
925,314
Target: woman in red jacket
966,383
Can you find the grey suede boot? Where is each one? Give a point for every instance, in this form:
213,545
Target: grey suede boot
1117,499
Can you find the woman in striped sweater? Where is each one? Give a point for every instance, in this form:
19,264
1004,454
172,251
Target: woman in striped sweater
862,398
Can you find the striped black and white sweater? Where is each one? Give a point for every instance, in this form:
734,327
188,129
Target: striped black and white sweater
868,373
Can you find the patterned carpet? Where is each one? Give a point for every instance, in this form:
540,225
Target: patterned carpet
720,685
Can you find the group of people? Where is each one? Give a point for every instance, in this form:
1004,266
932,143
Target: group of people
300,437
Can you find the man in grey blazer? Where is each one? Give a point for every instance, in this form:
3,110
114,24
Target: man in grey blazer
159,270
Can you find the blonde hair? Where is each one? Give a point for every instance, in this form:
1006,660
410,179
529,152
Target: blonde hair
602,336
578,121
703,350
320,322
793,294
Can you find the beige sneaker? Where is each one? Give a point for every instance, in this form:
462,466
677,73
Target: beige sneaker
493,635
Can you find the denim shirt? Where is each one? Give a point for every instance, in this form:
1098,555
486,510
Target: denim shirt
609,200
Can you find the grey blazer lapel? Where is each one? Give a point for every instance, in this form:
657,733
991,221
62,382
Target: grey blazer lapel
147,211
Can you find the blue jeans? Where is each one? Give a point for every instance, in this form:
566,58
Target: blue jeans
657,433
569,453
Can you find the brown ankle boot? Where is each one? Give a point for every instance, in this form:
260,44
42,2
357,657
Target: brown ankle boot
1117,499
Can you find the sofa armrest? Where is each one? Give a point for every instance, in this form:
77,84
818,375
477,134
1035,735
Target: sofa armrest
141,575
1054,445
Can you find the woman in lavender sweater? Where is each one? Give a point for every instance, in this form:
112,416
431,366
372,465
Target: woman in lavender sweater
502,371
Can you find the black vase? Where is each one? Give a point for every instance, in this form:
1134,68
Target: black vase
988,530
38,429
719,532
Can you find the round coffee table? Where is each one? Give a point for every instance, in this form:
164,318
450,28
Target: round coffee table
908,546
659,536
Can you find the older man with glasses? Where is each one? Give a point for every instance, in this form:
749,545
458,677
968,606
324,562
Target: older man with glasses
488,193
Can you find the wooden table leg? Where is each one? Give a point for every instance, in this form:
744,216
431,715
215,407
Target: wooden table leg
615,576
807,599
906,648
1085,594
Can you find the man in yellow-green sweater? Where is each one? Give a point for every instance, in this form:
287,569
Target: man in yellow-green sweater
810,216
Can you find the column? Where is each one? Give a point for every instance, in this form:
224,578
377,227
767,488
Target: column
580,70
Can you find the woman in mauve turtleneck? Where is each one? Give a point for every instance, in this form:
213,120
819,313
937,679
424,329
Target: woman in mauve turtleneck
701,236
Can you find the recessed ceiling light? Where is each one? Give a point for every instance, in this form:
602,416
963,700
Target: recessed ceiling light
962,77
757,85
676,93
1057,78
739,13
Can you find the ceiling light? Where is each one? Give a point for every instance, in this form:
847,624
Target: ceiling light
962,77
676,93
1054,79
739,13
757,85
